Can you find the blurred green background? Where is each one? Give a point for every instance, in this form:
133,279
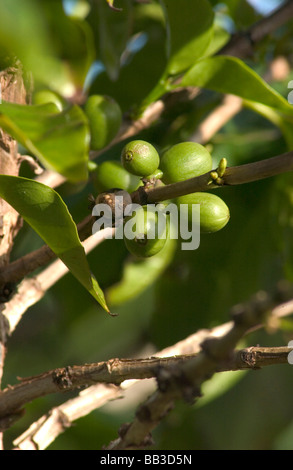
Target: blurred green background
192,289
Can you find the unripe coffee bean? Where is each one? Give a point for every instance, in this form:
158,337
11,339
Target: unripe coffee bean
140,158
105,118
183,161
49,96
147,241
214,213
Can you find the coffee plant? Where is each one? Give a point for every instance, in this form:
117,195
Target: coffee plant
146,257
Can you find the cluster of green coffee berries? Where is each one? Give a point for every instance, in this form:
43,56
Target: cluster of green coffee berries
140,163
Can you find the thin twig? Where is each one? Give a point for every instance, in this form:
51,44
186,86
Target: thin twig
46,429
230,106
233,176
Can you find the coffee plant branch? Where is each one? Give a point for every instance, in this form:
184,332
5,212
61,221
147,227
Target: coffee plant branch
41,433
116,371
233,176
184,382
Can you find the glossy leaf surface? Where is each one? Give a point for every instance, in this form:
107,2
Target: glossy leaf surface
44,210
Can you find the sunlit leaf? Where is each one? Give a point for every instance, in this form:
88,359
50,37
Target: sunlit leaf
219,39
44,210
227,74
59,140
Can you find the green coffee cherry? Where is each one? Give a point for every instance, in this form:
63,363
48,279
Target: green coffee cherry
214,213
111,174
140,158
183,161
105,118
49,96
147,241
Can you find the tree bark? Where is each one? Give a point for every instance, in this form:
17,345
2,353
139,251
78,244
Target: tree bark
12,89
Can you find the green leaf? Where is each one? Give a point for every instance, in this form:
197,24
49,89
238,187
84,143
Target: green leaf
59,140
140,274
219,40
43,209
189,32
227,74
